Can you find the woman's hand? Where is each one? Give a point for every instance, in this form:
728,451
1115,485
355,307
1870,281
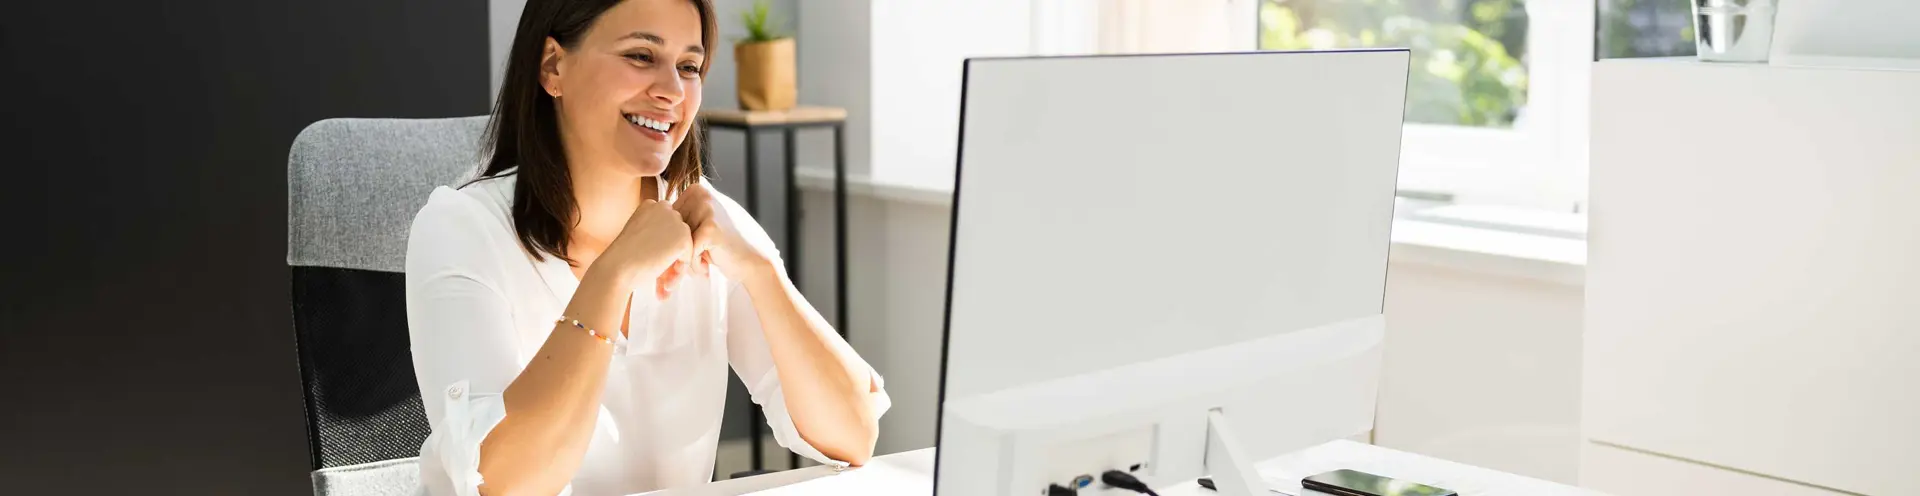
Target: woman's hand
716,240
655,243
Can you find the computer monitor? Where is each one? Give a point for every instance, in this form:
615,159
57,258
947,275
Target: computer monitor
1171,265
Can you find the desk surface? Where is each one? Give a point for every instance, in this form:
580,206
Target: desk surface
911,473
796,115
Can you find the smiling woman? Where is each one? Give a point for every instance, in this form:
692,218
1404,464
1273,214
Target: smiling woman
544,373
537,102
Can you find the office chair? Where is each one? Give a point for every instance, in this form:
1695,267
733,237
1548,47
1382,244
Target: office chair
353,187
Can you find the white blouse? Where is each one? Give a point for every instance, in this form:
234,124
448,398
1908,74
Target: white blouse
479,308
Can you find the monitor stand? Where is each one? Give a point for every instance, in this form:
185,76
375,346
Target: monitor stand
1227,462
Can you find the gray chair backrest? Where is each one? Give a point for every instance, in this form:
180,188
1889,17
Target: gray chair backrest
353,187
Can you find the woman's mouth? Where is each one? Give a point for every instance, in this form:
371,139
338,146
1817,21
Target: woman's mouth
650,127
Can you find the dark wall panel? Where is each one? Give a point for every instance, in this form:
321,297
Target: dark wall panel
145,339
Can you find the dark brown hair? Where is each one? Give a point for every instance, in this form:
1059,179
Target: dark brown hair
524,131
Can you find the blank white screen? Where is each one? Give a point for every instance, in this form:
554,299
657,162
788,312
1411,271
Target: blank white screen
1113,210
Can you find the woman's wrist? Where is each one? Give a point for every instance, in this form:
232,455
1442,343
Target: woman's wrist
613,277
759,269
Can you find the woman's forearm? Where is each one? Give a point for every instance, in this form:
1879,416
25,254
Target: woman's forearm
554,402
828,388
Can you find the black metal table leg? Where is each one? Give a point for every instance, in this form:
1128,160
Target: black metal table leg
792,250
840,228
753,208
756,419
753,175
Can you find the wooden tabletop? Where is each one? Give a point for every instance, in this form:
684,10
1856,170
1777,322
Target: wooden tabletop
796,115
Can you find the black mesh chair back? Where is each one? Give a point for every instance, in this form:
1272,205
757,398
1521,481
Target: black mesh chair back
353,187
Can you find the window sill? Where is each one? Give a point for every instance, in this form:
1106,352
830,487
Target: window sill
820,179
1490,251
1484,247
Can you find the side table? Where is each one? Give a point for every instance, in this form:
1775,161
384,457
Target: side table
751,123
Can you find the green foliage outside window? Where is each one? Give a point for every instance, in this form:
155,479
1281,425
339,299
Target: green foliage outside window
1467,66
1645,28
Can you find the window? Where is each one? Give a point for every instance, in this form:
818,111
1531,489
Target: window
1468,73
1497,96
1645,28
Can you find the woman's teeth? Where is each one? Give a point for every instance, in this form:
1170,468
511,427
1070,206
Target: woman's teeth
649,123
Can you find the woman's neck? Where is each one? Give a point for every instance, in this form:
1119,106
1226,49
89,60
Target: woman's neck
606,200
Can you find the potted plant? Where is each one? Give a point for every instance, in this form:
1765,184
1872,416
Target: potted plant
766,62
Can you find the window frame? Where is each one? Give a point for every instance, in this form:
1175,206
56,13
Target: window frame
1539,163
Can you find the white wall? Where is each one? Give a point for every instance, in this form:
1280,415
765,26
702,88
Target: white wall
895,67
1481,368
502,17
897,284
919,49
1850,28
836,62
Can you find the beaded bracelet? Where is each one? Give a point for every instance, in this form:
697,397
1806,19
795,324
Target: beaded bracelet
576,323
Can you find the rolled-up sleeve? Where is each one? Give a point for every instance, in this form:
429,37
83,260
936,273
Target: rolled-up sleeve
464,346
750,358
454,445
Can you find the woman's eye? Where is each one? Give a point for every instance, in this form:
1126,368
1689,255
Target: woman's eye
691,70
641,57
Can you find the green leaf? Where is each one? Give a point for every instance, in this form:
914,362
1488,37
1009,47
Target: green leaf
760,23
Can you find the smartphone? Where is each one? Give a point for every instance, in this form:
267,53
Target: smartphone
1356,483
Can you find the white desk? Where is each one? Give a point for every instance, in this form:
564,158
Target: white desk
911,473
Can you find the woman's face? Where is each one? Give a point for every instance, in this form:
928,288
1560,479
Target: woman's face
630,88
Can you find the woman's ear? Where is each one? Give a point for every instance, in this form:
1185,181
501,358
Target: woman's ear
550,57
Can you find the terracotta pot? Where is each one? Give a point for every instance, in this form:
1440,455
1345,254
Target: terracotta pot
766,74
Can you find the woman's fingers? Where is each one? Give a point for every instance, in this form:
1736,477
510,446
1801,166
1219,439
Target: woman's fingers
662,285
695,205
689,256
704,236
696,208
668,281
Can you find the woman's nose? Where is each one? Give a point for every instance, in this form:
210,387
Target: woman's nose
669,88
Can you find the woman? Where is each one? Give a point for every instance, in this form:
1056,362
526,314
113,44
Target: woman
574,311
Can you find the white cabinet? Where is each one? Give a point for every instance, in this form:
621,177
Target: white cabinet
1753,281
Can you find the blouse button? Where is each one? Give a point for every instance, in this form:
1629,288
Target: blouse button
453,392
